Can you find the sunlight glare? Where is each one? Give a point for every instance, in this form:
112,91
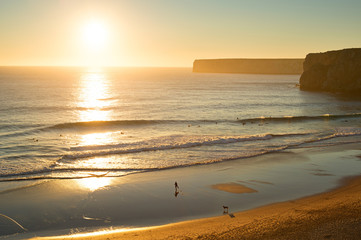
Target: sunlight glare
94,96
97,139
95,34
94,183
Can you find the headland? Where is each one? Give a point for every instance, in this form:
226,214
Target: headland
249,66
333,71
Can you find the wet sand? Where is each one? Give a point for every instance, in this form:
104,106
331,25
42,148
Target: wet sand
334,214
331,215
233,188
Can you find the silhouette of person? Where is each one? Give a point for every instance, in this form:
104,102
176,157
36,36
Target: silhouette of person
176,189
176,186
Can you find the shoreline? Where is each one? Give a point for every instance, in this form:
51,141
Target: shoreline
330,215
279,217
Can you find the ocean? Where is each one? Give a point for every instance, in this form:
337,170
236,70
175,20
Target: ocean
83,149
73,123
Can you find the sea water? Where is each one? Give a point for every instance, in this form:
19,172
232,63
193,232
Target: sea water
71,123
92,128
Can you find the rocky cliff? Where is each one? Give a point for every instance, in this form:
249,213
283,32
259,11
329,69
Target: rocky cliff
333,71
251,66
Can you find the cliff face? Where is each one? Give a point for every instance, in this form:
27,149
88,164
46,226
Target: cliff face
251,66
333,71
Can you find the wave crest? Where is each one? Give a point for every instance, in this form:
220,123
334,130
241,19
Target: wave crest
164,143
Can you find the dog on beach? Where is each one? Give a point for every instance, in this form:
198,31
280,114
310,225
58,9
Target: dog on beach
225,209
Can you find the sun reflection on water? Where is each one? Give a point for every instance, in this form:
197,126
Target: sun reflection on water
94,96
94,183
94,102
96,138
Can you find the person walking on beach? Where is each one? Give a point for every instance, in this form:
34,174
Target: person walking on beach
176,187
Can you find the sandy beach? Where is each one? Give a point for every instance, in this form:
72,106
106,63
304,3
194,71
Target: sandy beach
331,215
334,214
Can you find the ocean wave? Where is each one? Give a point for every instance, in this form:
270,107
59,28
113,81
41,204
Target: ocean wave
300,118
180,141
124,123
165,143
55,108
68,171
99,124
76,126
347,131
80,173
338,132
20,133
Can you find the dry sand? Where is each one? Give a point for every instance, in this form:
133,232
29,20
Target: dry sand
331,215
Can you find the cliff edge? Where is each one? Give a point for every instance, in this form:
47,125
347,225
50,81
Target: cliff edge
250,66
332,71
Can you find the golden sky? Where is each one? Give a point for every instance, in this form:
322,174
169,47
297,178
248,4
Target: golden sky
171,32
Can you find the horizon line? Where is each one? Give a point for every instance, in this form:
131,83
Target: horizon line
105,66
249,58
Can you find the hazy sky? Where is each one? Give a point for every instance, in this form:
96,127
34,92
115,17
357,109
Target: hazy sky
171,32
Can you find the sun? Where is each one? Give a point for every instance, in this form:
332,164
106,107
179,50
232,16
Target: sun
95,34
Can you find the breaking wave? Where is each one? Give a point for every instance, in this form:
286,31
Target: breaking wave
301,118
63,168
166,143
